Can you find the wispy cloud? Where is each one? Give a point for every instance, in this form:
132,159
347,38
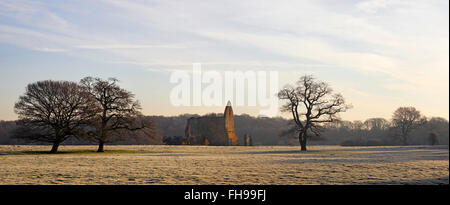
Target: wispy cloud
126,46
372,6
405,42
50,49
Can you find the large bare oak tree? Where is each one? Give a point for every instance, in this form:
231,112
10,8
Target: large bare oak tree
118,112
311,103
52,111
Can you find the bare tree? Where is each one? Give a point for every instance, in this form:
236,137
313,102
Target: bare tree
433,138
311,103
406,119
376,124
52,111
375,128
118,111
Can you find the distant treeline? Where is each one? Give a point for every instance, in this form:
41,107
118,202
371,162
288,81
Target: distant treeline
273,131
379,131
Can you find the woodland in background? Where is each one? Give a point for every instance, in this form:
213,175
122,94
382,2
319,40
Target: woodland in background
272,131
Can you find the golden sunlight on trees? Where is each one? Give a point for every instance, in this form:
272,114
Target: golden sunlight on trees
117,111
52,111
97,110
406,119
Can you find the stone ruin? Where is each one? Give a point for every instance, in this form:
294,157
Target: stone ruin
212,129
248,140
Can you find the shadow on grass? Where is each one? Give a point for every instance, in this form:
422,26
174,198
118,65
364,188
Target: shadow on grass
77,152
393,148
343,149
431,181
285,152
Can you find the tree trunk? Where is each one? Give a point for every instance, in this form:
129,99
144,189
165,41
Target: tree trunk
302,140
303,146
102,135
54,147
100,146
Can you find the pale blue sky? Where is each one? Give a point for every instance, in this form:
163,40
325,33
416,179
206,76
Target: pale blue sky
379,54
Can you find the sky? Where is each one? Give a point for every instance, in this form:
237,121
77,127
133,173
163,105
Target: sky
378,54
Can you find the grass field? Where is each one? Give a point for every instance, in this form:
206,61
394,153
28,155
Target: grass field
224,165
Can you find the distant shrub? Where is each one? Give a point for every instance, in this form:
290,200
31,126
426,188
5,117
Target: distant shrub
373,143
351,143
433,139
174,140
356,142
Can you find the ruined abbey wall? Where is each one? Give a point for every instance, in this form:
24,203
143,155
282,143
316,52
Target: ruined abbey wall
212,130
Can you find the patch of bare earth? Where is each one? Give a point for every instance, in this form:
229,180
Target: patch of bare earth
225,165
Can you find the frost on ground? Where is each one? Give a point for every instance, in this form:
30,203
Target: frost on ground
225,165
